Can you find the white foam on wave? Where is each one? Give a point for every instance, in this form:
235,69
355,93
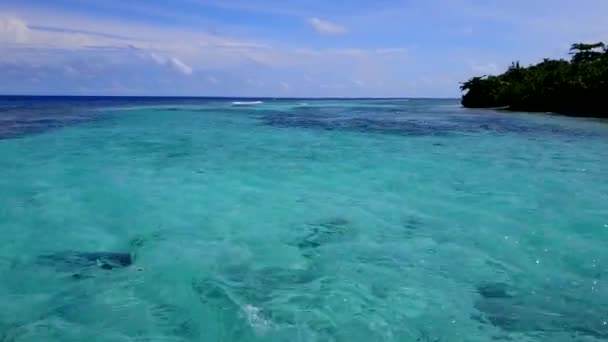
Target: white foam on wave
246,103
255,319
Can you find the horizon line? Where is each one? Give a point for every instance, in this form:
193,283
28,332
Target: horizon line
236,97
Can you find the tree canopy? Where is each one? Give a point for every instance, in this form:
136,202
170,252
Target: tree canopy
576,87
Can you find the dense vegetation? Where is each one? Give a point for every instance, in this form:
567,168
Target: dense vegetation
575,87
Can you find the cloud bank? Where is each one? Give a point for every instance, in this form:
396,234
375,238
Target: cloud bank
268,48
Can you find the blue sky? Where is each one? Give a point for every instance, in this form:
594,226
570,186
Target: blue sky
299,48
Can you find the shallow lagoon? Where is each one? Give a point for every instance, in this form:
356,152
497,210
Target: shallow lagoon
301,220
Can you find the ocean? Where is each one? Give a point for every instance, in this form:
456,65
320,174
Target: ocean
216,219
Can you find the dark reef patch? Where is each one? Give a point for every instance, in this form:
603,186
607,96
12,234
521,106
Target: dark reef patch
413,120
73,261
412,223
355,124
25,115
24,122
494,290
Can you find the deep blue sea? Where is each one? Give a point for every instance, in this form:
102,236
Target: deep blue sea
193,219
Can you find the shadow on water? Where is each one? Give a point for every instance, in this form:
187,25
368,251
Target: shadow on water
531,312
322,233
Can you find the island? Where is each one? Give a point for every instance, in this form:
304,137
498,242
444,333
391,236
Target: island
577,87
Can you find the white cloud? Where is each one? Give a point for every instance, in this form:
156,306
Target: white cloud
326,27
240,45
15,32
467,31
69,71
92,48
391,51
66,34
181,51
180,66
155,57
332,86
13,29
171,62
350,52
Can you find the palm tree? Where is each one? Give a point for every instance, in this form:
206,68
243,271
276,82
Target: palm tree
582,52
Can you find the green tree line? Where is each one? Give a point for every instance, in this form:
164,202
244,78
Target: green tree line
576,87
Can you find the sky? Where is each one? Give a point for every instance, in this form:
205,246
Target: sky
280,48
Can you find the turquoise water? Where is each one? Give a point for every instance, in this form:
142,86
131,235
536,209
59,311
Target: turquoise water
303,220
